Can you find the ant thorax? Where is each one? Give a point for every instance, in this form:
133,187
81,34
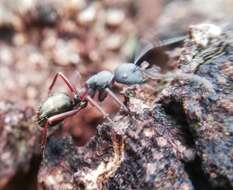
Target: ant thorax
100,80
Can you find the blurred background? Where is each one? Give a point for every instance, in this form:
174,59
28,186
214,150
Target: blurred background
81,37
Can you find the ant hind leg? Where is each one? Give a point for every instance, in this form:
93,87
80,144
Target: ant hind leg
54,119
44,135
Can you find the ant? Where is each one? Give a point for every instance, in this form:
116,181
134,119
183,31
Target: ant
59,106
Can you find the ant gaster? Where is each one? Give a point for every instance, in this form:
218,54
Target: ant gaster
59,106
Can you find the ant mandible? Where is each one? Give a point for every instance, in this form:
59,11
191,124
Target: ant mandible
59,106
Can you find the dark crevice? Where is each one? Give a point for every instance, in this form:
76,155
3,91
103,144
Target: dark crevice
26,180
200,179
222,184
197,175
6,34
193,168
175,109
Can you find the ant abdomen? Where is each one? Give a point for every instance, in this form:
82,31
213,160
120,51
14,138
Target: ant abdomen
55,104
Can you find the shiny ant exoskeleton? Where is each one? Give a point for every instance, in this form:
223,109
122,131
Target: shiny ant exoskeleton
59,106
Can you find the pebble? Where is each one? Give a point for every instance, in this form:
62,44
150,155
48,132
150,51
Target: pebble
202,33
114,17
161,141
113,42
87,16
74,5
65,53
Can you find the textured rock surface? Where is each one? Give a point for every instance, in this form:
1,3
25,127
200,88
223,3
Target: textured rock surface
59,163
205,99
133,154
18,141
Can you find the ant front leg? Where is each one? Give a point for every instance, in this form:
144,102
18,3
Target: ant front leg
67,82
54,119
111,93
97,106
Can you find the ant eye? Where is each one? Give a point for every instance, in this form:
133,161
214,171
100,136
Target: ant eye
125,76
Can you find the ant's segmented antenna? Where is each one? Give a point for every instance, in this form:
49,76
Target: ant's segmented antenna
149,47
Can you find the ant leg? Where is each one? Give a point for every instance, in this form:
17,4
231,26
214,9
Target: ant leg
63,77
117,99
93,102
44,135
78,78
54,119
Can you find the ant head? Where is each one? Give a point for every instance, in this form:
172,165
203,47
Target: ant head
129,73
